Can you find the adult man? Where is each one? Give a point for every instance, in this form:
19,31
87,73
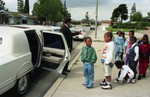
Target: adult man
68,35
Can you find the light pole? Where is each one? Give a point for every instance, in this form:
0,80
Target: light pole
96,18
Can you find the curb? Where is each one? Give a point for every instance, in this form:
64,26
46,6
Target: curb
54,87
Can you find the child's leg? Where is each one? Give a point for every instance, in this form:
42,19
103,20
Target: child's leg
133,65
141,67
85,73
145,66
126,59
90,75
108,79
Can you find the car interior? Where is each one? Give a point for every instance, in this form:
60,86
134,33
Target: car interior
34,44
53,50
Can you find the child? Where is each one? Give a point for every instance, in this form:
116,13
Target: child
125,72
108,58
128,46
113,38
144,49
133,56
88,57
119,44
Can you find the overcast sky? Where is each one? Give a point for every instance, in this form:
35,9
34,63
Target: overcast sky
78,8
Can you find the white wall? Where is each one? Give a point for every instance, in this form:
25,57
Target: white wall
30,21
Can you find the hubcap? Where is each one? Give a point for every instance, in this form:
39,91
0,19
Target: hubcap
22,85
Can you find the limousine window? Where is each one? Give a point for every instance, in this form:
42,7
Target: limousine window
0,40
53,41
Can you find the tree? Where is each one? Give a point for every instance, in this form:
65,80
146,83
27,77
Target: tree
120,12
133,9
26,7
136,16
48,10
65,11
20,6
87,18
2,5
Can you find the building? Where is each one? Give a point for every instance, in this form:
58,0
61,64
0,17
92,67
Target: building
16,18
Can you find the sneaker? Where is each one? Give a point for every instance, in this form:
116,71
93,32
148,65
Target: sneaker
107,87
139,78
143,76
115,81
133,81
84,84
87,87
103,83
128,80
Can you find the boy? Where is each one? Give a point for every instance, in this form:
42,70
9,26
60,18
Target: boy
88,57
108,58
125,71
128,46
133,56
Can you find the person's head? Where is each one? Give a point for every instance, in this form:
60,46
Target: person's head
145,39
67,21
119,64
88,41
111,31
119,33
108,36
133,40
131,33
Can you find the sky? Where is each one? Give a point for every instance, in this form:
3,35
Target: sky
78,8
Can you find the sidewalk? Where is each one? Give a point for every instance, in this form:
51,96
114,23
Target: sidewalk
71,85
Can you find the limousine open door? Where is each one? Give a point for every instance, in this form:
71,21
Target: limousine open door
55,51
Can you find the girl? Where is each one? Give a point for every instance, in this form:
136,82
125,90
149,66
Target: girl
119,45
144,56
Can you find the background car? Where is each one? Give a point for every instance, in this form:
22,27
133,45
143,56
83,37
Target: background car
82,33
92,27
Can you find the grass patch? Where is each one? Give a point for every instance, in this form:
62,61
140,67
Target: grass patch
75,63
149,66
119,29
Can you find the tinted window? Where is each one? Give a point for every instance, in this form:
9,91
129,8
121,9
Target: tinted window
53,41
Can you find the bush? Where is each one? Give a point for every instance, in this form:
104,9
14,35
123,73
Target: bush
114,26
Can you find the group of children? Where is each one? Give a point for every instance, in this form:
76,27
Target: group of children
113,54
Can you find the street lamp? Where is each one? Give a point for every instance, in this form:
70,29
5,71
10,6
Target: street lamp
96,18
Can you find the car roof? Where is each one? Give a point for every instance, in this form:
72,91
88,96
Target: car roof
11,30
39,27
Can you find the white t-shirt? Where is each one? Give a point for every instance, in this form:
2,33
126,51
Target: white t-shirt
109,53
124,71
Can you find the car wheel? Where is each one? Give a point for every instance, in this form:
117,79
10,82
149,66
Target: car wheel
22,85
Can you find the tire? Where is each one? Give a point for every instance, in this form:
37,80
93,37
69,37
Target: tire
22,85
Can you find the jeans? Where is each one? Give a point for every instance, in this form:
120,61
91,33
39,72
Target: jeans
89,74
118,55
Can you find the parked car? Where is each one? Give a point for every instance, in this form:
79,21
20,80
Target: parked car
82,33
92,27
23,49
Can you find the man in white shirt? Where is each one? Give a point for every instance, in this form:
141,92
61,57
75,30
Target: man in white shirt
133,56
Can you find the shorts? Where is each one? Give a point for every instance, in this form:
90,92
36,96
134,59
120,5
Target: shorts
107,68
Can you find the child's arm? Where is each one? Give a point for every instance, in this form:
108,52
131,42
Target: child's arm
110,54
125,46
136,50
94,57
82,55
